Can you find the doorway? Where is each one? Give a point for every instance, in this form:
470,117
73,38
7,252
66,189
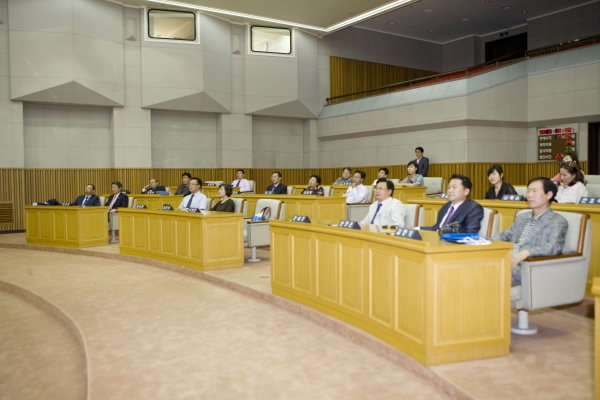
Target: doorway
593,148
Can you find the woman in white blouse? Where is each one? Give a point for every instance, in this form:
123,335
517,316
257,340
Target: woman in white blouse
571,188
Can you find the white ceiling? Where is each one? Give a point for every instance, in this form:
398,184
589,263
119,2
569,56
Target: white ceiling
444,17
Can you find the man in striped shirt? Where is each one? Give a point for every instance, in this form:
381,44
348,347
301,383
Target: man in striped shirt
539,232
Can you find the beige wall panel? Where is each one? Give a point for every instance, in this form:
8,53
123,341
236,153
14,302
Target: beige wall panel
271,76
41,15
179,68
98,60
98,19
39,54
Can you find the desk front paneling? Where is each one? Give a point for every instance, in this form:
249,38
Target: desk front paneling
75,227
157,201
201,241
436,302
508,210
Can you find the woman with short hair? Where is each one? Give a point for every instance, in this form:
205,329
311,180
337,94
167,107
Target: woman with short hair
225,204
499,187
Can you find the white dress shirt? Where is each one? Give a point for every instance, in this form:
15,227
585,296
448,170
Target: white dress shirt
392,212
571,194
358,194
243,184
199,201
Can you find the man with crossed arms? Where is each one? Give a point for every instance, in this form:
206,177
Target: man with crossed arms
387,210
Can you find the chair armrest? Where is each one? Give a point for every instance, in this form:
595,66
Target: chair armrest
556,257
359,204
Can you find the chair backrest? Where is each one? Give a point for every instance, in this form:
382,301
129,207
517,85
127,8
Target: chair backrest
102,200
593,189
592,178
575,237
251,186
414,215
394,181
434,184
327,191
210,202
521,190
277,210
291,190
240,206
370,197
131,202
490,223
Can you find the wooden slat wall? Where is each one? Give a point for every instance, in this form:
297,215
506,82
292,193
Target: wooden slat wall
24,186
348,76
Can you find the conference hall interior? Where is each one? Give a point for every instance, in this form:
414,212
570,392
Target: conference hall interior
292,295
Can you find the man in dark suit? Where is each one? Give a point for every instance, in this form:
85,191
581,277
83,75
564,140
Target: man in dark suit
422,162
117,198
184,187
88,199
466,212
153,187
277,187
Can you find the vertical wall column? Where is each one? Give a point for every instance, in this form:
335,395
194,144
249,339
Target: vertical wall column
131,134
312,145
12,153
234,131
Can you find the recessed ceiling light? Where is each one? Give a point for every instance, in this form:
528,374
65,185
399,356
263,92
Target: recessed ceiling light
448,34
487,1
391,22
464,19
524,12
412,26
431,30
429,10
505,7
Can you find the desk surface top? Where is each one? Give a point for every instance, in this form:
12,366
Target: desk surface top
431,242
179,213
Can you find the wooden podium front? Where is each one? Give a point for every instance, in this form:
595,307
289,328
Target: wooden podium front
437,302
205,241
71,226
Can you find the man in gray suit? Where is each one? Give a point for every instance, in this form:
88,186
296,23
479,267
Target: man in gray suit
539,232
184,187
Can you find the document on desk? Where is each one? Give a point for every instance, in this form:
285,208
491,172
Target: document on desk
476,242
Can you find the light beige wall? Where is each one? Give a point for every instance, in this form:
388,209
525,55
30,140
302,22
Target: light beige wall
277,143
59,136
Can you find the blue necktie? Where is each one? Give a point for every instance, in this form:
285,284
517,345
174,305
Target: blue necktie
189,204
238,183
85,201
376,211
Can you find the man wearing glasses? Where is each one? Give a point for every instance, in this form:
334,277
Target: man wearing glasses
196,199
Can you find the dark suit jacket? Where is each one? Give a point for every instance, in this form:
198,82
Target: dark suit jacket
468,215
122,201
423,166
156,189
93,201
182,189
280,189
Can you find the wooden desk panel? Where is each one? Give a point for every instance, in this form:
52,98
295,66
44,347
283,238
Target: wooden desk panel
508,211
207,241
75,227
315,207
156,201
435,301
596,292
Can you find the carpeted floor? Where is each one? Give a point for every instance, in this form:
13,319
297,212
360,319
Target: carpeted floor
140,331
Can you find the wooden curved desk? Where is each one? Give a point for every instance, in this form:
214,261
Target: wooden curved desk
157,201
75,227
206,241
315,207
508,210
435,301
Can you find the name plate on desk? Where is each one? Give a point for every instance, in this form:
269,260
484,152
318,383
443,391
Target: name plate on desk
235,192
443,196
66,204
512,197
167,207
349,224
308,191
268,192
301,218
408,233
195,210
141,206
590,200
211,184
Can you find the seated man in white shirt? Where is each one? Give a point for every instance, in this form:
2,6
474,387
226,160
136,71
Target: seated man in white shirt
386,210
196,199
383,173
357,192
241,182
